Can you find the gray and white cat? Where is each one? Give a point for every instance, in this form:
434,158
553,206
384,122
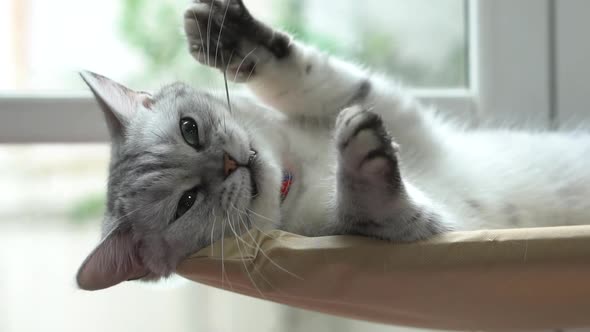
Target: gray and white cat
317,154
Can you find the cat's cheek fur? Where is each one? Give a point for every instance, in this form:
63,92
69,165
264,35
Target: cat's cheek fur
161,253
265,208
159,257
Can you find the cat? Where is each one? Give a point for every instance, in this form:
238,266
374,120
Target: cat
325,148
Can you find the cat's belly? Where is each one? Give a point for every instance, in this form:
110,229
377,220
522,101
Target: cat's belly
535,181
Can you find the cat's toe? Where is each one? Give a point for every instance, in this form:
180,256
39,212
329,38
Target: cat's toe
214,34
224,35
365,147
198,33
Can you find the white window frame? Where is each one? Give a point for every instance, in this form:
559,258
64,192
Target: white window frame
516,62
507,80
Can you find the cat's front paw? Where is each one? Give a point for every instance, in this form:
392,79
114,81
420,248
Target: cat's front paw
224,35
366,150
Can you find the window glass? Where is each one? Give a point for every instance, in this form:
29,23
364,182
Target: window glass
140,42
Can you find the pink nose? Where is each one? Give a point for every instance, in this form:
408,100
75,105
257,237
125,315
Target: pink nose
229,165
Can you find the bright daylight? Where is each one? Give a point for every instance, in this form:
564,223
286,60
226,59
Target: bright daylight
382,165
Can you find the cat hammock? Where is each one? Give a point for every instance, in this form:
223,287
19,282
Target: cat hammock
484,280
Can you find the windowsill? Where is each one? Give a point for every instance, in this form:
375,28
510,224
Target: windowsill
73,117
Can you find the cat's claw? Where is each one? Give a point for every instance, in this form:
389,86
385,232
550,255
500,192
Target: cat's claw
224,35
366,150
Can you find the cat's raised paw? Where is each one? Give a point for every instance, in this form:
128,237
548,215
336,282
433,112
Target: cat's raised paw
365,148
224,35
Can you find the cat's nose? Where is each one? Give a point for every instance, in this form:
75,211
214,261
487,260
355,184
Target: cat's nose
229,165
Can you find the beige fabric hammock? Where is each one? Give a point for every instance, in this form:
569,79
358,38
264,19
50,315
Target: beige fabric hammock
484,280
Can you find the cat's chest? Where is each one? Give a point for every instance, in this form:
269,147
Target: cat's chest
311,161
309,154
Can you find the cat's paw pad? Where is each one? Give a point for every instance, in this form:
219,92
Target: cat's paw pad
224,35
365,147
212,29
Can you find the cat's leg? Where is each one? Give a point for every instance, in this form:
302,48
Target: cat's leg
296,79
286,74
372,197
304,82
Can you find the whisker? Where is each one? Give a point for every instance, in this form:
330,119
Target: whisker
267,257
260,229
209,34
198,27
225,81
263,217
243,223
213,227
236,237
222,262
220,33
223,272
242,62
240,238
224,122
251,71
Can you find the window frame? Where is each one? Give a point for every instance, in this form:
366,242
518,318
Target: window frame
500,82
77,119
516,63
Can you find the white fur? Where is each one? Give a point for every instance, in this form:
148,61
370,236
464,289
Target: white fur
477,178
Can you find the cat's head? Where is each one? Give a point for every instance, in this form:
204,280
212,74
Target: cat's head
184,171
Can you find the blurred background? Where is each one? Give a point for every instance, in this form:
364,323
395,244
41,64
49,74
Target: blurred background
141,42
476,56
53,195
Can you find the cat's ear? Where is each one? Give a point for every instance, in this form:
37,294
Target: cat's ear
114,260
118,102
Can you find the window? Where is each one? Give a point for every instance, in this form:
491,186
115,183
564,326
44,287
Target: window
531,72
140,42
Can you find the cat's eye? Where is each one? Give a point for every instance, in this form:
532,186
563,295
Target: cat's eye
190,131
186,202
